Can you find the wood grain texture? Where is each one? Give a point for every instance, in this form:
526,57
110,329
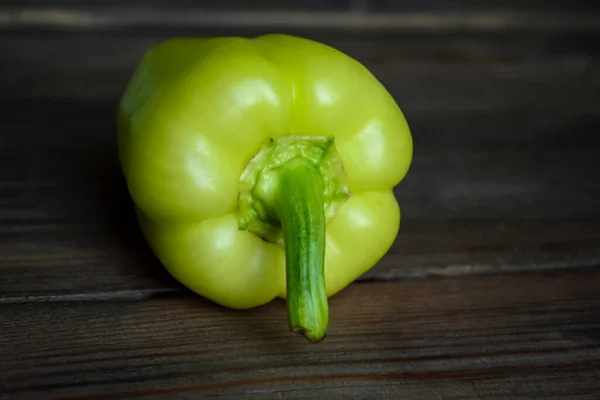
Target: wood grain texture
348,15
517,337
504,176
187,4
565,6
450,74
503,102
68,230
60,166
60,264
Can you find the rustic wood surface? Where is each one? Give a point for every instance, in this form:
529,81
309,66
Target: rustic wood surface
330,15
519,337
503,99
68,230
504,176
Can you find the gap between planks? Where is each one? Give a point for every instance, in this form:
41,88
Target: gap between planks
179,291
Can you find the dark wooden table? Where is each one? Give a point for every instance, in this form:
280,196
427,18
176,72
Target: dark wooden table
492,289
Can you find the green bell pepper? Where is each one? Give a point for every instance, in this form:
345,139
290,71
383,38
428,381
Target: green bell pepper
263,168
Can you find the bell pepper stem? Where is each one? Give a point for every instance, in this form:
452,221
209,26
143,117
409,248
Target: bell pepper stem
299,205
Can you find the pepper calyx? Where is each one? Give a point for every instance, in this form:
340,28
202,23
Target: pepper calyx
259,181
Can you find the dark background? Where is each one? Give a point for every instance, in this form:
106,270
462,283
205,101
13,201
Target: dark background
503,99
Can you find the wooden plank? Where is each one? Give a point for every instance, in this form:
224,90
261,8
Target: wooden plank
441,74
61,166
467,5
518,337
62,264
394,5
67,229
490,117
188,4
466,16
474,5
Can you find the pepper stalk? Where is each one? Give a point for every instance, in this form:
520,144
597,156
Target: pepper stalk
300,207
289,192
